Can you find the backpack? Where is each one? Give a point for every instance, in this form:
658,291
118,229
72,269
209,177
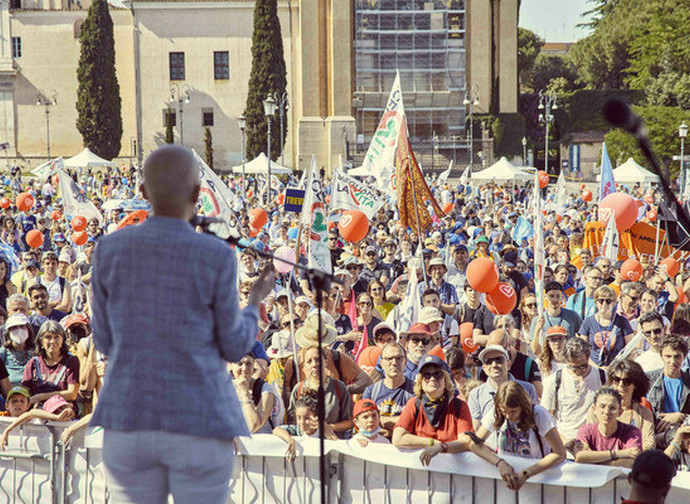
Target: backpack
559,379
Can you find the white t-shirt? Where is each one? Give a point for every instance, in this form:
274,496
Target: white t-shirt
650,361
574,399
511,441
277,417
54,288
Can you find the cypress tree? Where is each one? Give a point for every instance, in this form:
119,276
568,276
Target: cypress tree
208,142
268,76
98,96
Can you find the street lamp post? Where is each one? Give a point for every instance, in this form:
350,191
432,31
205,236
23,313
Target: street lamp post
242,121
471,99
269,110
547,103
42,99
682,133
524,151
181,96
283,106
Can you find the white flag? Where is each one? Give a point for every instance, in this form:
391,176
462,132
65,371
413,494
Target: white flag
348,193
216,199
74,199
319,253
49,168
411,306
443,176
312,177
611,242
561,194
539,259
380,158
465,178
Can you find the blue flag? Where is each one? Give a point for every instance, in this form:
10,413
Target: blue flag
607,184
523,229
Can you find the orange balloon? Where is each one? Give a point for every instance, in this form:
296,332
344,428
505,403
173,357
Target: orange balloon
34,238
651,215
482,274
543,179
631,270
80,238
25,201
133,218
257,218
79,223
253,232
466,339
672,266
682,298
281,198
56,215
625,209
502,299
5,202
438,352
368,358
448,207
586,195
353,225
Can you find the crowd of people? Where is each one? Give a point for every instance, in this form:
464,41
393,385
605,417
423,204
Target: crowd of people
547,383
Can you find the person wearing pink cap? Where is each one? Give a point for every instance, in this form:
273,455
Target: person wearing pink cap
55,409
418,341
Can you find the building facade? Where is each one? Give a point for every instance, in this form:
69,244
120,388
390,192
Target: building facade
192,59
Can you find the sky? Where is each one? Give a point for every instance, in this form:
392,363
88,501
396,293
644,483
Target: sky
554,20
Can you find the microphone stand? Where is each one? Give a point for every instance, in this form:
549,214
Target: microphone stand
322,282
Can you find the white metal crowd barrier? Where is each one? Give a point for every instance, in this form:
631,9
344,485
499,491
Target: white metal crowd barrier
37,468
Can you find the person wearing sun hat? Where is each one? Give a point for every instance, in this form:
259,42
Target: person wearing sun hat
449,296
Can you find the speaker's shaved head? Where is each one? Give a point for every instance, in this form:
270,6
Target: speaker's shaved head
171,181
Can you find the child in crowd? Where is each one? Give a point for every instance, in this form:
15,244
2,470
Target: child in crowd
55,409
366,417
306,425
17,402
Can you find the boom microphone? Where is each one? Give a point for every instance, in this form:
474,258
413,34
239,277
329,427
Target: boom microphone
618,113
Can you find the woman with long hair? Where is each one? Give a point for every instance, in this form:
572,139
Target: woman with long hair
680,322
378,296
552,358
518,427
528,312
631,382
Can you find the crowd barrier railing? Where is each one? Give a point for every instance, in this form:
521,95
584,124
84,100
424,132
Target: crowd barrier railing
37,468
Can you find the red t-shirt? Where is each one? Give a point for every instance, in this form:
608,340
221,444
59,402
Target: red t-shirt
456,421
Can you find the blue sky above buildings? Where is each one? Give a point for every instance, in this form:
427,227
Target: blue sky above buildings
555,20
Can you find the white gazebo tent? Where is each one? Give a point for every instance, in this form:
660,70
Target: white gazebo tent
87,159
502,170
632,173
259,166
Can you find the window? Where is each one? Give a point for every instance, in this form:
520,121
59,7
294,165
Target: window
221,65
177,66
173,117
207,117
16,47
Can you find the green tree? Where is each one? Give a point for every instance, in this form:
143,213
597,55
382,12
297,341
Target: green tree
529,46
98,96
268,77
548,67
208,143
169,124
662,128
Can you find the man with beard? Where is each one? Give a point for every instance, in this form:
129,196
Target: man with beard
38,294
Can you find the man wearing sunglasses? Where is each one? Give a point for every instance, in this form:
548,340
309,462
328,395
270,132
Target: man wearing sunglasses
652,326
495,363
418,341
629,305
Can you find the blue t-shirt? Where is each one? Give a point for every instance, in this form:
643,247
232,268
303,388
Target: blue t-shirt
673,388
390,401
606,341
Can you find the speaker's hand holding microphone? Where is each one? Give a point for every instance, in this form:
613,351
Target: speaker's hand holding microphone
263,286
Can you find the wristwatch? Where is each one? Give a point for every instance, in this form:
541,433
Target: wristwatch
444,447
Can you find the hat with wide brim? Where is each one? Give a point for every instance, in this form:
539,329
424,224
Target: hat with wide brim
308,334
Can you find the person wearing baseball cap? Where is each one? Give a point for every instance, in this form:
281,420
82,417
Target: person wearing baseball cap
365,415
17,402
418,341
392,267
434,419
513,277
650,478
372,269
449,296
457,270
552,358
495,363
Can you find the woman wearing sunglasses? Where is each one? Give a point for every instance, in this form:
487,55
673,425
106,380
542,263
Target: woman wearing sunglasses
607,331
434,419
631,382
552,358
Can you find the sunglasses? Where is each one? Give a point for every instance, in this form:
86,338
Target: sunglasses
557,339
656,332
605,301
497,360
296,322
364,303
617,379
436,375
531,305
634,298
583,367
417,341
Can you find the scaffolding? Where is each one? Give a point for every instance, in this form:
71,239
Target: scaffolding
425,41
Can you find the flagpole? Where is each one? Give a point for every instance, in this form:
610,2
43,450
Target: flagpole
416,211
656,243
292,324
